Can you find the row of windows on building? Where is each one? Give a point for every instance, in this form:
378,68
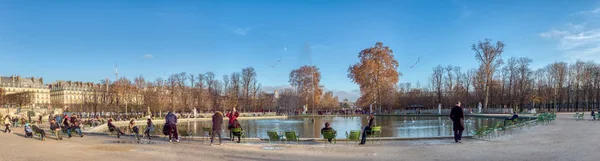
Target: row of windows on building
23,90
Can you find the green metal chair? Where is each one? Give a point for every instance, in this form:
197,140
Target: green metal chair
479,132
292,136
576,116
353,136
499,128
375,133
206,133
329,134
239,132
273,136
186,134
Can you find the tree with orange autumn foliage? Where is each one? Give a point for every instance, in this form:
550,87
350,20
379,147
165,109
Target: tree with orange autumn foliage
375,73
305,81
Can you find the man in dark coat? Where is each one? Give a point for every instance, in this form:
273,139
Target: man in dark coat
217,121
171,122
457,116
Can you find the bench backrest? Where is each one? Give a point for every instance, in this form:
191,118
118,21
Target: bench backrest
328,134
291,135
354,135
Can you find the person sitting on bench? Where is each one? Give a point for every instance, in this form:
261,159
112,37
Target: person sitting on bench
236,124
149,128
56,129
367,130
112,128
328,128
37,130
514,116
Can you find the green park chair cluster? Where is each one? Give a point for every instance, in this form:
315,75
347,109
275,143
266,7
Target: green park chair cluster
578,116
501,128
547,118
289,136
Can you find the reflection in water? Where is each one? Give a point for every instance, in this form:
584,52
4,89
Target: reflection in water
392,126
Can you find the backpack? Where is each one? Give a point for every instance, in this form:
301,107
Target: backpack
166,130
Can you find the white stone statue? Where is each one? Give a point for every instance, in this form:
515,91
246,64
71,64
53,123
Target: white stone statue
440,108
479,107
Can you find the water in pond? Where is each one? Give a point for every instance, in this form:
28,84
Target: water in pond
392,126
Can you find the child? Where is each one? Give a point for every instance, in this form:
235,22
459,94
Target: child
28,131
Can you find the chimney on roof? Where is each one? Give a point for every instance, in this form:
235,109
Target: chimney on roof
41,80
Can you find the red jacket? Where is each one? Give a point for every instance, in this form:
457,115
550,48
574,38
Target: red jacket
232,117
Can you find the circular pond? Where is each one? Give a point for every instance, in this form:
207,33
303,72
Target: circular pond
392,126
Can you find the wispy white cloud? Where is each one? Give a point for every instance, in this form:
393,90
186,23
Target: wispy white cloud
241,31
589,12
148,56
577,41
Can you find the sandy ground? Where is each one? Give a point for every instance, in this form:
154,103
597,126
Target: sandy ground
566,140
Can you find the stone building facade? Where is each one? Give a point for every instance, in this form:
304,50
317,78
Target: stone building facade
68,93
27,92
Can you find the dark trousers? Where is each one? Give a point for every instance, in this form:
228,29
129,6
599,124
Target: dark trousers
119,132
136,131
7,128
457,135
215,132
174,133
366,131
147,133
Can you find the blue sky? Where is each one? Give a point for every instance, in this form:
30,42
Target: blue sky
82,40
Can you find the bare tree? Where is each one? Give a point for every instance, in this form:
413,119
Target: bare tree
489,57
248,77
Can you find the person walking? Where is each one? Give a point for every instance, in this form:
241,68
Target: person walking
457,116
367,129
217,121
171,122
7,124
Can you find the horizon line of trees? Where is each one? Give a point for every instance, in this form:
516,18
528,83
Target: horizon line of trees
558,86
